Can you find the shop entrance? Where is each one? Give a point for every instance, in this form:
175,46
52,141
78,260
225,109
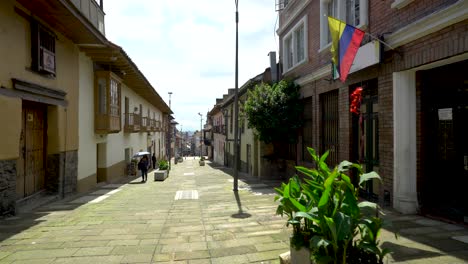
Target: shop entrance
444,152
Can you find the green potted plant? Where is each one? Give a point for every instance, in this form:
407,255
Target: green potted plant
162,172
327,218
202,161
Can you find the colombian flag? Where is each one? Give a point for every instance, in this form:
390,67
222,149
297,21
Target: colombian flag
346,40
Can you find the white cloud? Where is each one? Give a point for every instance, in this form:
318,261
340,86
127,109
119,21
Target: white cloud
188,47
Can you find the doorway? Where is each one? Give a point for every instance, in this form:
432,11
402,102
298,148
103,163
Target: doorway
444,152
31,163
365,145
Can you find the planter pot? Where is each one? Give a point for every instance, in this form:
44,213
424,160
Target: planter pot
160,175
202,163
300,256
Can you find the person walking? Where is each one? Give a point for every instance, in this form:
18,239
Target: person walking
143,166
153,160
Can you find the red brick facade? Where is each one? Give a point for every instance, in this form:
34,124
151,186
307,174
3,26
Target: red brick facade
383,20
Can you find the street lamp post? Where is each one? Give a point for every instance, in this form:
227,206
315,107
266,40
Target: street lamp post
236,104
200,134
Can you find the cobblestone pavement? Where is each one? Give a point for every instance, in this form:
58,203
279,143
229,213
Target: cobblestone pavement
191,217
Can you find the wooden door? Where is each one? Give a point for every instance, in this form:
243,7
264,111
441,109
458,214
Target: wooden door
31,166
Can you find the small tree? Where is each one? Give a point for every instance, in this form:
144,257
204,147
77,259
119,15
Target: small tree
274,111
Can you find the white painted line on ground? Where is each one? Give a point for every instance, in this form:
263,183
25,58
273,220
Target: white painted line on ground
186,195
188,173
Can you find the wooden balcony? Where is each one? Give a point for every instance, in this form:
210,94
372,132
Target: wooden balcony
132,123
145,124
158,127
107,124
93,12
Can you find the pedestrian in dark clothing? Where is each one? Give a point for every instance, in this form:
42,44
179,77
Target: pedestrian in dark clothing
143,166
153,159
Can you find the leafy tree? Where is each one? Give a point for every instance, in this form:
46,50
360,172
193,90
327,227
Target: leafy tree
274,111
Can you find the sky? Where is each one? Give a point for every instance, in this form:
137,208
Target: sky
188,47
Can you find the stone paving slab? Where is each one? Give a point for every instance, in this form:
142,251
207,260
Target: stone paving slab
143,223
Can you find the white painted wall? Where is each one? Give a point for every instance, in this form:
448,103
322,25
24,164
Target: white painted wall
86,138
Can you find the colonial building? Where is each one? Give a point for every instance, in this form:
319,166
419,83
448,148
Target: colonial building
75,105
415,96
218,132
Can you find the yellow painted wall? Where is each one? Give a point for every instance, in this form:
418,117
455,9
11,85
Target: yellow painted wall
10,109
15,51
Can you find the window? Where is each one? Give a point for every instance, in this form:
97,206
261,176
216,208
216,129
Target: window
332,10
295,45
102,86
42,49
114,98
107,102
353,12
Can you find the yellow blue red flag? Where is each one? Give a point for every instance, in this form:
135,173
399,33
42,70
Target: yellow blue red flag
346,40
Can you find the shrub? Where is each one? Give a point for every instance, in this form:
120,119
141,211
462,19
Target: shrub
274,111
163,165
326,216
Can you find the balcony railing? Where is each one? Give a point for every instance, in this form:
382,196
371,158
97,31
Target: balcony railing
106,124
145,124
157,126
132,123
93,12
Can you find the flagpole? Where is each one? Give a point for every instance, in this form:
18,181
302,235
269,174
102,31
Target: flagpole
379,40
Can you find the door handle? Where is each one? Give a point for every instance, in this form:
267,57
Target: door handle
465,161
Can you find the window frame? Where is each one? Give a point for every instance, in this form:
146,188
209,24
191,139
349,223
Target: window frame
42,44
341,14
291,47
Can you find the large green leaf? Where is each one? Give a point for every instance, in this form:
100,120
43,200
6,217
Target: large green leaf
350,205
286,190
368,176
294,186
367,208
344,166
324,157
304,215
332,227
306,171
314,184
297,205
318,242
343,226
328,189
313,154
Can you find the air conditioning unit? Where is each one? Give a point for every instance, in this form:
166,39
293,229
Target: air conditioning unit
47,62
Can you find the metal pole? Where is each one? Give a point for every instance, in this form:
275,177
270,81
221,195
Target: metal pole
236,104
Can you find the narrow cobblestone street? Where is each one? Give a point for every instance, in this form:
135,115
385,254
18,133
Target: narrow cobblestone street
154,222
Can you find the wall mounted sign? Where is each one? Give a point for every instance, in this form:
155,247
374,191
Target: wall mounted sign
445,114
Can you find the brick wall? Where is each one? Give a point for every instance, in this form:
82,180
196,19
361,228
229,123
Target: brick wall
448,42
